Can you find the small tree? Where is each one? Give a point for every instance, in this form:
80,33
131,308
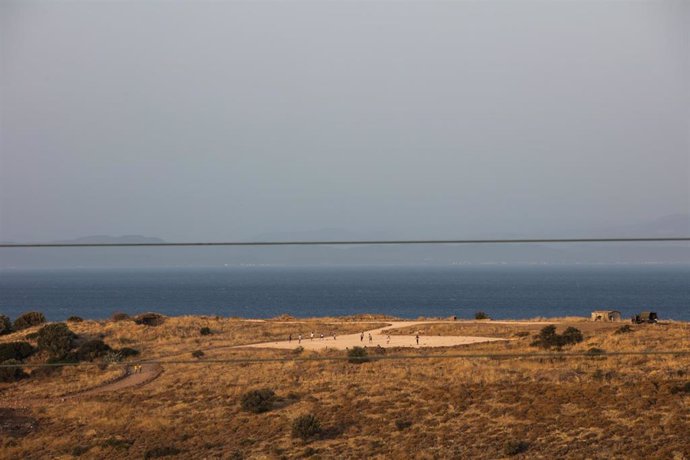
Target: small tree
205,331
571,335
150,319
258,401
305,427
11,374
15,350
481,315
5,325
26,320
357,355
547,337
92,349
56,339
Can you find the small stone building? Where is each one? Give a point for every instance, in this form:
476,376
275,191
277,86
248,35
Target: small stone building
606,315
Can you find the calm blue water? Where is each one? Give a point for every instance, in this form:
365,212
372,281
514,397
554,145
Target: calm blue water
501,291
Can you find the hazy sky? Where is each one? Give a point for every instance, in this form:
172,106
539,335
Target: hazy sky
223,120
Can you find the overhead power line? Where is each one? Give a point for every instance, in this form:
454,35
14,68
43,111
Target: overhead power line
369,358
354,242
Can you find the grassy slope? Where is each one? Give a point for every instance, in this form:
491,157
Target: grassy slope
622,407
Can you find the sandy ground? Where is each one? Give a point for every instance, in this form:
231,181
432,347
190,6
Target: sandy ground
378,338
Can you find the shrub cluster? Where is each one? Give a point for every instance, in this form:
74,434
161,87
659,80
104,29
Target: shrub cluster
5,325
547,337
305,427
15,350
205,331
11,374
92,349
481,315
357,355
624,329
27,320
258,401
56,339
149,319
515,447
119,316
75,319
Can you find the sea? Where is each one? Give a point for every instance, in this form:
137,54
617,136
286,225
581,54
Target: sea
502,291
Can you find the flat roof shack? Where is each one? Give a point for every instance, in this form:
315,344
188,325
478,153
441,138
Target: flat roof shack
606,315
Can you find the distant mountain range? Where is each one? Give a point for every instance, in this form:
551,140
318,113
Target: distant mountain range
676,225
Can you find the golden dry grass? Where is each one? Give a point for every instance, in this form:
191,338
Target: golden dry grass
587,407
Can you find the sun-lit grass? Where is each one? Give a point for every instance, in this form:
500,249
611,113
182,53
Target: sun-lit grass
596,407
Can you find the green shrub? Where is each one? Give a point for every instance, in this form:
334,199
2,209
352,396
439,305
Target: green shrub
571,335
357,355
594,351
92,349
31,336
127,352
149,319
305,427
624,329
75,319
481,315
56,339
26,320
15,350
515,447
547,337
11,374
258,401
403,424
119,316
205,331
683,389
5,325
158,452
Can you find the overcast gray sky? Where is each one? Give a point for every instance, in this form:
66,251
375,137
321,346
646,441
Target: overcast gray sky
223,120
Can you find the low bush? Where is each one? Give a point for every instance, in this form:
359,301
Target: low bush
481,315
5,325
78,451
594,351
682,389
15,350
92,349
197,354
624,329
56,339
119,316
357,355
158,452
31,336
149,319
515,447
403,424
305,427
27,320
547,337
127,352
258,401
11,374
205,331
298,350
75,319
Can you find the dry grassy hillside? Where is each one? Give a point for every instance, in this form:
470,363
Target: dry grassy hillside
584,407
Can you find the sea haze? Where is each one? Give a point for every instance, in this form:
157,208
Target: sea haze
406,291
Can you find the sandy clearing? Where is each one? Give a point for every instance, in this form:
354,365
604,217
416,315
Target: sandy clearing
378,338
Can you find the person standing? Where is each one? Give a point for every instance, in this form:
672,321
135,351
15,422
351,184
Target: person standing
388,339
321,337
361,337
311,337
299,338
417,337
290,338
370,339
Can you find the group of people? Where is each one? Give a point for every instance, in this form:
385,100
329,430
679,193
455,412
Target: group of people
311,337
